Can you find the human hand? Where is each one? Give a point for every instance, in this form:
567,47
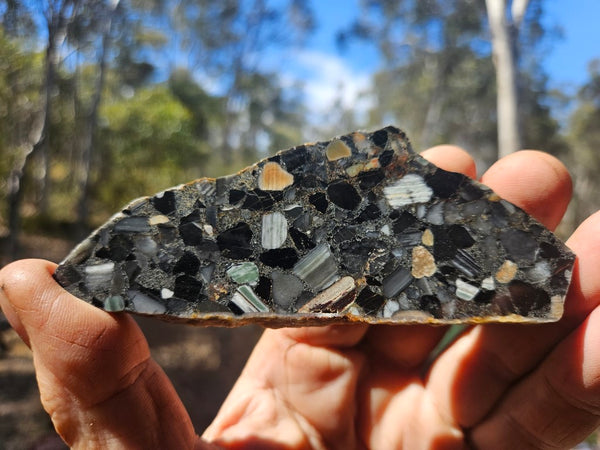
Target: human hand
497,386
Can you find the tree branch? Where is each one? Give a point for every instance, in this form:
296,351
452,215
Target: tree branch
518,9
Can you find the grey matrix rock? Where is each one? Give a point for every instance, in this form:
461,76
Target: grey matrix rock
356,229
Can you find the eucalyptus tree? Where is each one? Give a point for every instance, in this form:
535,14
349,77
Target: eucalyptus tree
226,44
56,16
439,78
584,140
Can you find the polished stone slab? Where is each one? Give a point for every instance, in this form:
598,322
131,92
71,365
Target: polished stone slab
356,229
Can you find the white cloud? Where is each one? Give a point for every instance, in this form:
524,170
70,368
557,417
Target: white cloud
332,79
328,81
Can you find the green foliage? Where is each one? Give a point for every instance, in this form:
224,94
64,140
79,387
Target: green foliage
540,129
439,82
15,19
270,113
585,123
438,102
148,134
158,125
584,140
205,109
147,143
20,80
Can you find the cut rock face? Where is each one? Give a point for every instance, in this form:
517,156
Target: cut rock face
357,229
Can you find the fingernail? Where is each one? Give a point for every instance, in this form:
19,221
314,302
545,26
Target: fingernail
12,316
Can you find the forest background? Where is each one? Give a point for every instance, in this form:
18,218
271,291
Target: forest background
103,101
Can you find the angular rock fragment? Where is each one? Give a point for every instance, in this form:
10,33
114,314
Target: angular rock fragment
357,229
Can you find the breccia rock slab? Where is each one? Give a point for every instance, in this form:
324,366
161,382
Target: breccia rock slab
356,229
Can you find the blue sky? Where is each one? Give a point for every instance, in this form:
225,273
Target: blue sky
567,61
330,75
580,23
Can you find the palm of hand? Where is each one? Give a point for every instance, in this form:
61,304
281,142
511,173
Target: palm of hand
374,387
497,386
334,387
352,387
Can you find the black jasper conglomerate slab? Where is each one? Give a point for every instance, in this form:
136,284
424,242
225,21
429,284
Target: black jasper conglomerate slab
355,229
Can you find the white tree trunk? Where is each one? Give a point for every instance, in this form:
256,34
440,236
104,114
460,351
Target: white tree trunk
504,32
56,24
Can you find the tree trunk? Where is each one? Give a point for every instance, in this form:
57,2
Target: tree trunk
16,186
56,23
91,126
504,33
434,107
18,175
44,182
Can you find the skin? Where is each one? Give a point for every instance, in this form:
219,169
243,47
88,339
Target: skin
497,386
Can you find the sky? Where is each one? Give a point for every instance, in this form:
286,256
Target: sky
331,76
580,23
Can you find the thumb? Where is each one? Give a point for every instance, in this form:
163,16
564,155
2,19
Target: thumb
96,378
